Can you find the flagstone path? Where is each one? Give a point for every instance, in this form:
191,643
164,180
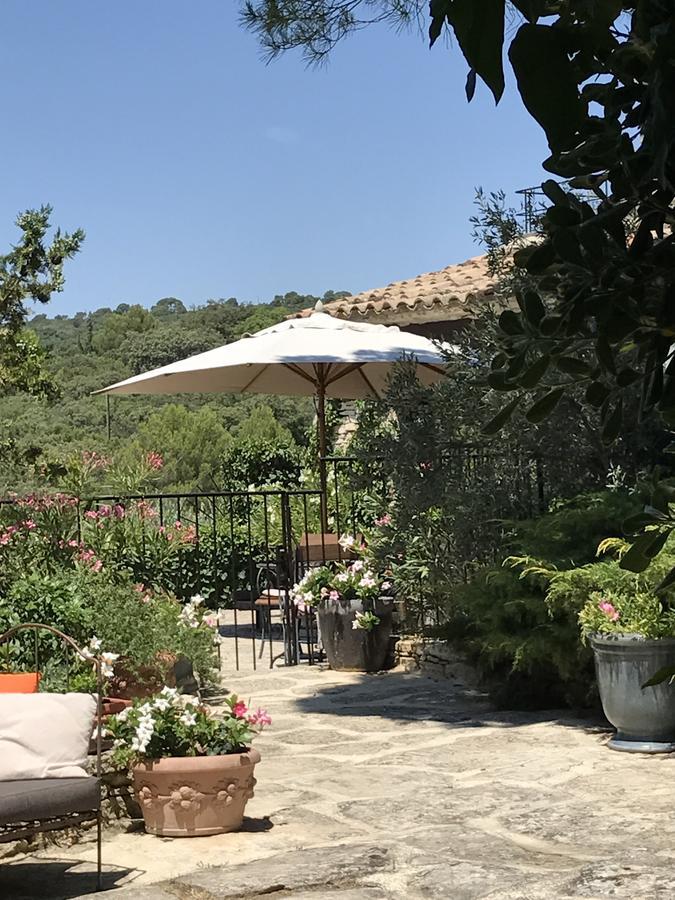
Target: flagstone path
395,786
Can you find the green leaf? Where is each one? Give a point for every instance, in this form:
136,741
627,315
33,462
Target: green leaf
509,322
438,10
666,582
605,356
535,259
533,307
543,407
547,82
549,325
534,373
664,674
479,29
571,365
636,523
497,380
643,549
566,245
497,422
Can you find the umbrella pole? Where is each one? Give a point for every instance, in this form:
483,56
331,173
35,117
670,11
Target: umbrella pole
323,444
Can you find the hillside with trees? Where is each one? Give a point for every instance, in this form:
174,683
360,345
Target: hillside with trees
195,434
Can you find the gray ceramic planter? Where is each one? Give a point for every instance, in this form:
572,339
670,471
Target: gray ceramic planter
644,718
355,650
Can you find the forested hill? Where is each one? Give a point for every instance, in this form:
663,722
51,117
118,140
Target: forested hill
89,350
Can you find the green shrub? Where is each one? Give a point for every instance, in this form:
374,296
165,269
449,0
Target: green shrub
525,644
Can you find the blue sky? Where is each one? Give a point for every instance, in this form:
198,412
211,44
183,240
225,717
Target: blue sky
199,171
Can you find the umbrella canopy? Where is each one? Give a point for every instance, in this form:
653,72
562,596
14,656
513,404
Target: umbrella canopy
309,356
318,355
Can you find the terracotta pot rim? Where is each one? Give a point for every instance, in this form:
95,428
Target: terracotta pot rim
226,760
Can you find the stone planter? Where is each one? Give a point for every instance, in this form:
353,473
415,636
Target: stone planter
644,718
351,649
194,796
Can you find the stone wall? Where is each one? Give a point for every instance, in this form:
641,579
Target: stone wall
436,659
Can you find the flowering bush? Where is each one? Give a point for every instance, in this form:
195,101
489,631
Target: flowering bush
174,725
627,612
344,582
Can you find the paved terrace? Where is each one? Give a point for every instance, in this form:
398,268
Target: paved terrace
394,786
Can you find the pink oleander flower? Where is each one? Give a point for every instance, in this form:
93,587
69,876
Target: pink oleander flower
383,520
145,510
334,596
154,460
105,510
211,621
29,524
239,709
96,566
609,610
260,717
118,511
91,514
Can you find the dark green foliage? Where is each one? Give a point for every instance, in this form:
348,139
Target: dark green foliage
530,652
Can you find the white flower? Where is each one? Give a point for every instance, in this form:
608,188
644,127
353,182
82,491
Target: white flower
342,576
386,585
107,664
347,541
197,600
357,565
171,695
368,581
355,625
95,643
188,718
161,703
123,715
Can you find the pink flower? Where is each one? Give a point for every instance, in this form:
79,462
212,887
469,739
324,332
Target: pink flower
383,520
97,566
145,510
154,460
118,511
105,510
260,717
609,610
91,514
425,466
239,709
334,596
29,524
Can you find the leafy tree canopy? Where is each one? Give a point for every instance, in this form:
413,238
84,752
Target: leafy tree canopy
31,271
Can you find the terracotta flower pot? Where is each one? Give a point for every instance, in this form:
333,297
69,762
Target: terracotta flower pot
110,706
194,796
19,682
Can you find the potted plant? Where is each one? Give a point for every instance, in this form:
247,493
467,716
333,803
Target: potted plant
192,770
633,638
354,615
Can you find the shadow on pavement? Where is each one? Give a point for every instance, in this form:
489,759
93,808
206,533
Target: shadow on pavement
411,698
56,879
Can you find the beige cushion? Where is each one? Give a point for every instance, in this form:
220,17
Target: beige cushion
45,735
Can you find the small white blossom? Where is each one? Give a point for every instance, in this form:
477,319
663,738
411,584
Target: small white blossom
347,541
95,643
161,703
188,718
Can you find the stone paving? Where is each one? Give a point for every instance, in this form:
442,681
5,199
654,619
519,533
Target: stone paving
395,786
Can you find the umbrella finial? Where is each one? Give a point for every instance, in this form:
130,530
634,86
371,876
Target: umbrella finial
318,306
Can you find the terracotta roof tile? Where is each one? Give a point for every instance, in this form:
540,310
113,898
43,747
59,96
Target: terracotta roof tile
451,289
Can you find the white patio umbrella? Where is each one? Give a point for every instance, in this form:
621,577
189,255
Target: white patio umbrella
317,355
